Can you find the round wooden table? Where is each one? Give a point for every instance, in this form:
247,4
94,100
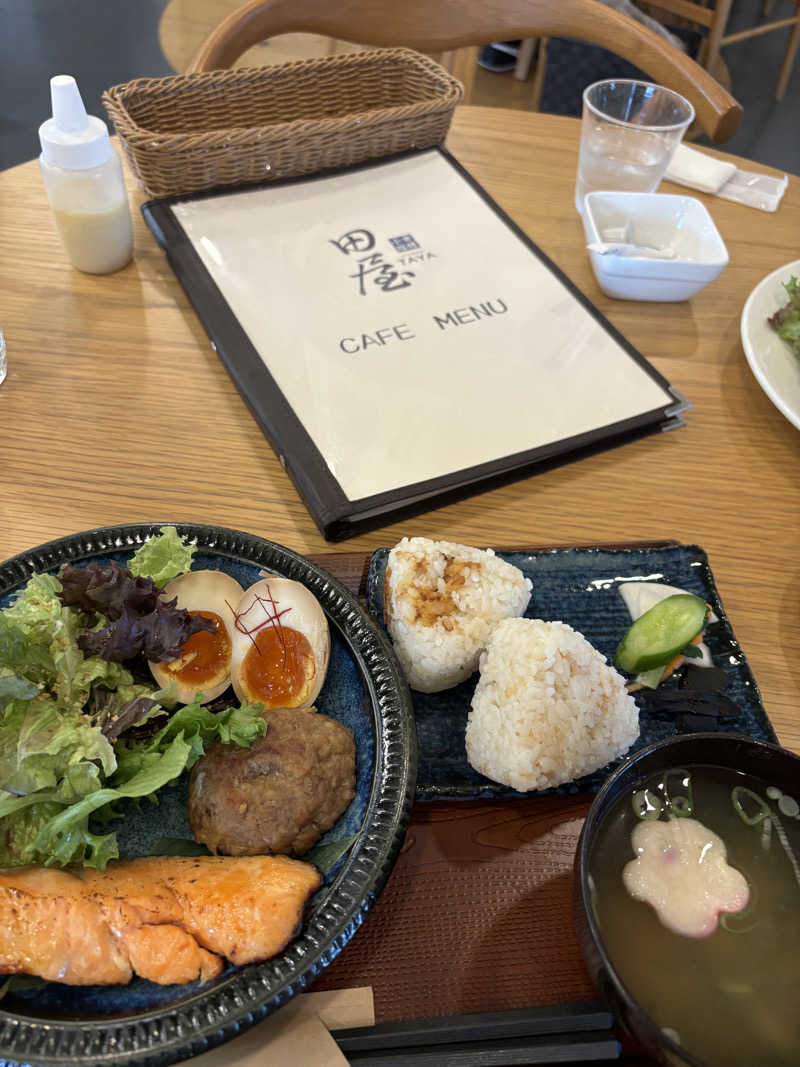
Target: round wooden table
116,409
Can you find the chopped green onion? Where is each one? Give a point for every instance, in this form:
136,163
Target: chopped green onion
735,923
738,797
646,804
742,922
783,837
766,834
680,803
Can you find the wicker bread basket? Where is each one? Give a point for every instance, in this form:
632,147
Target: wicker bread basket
190,132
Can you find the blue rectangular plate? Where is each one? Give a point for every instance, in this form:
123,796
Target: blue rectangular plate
579,586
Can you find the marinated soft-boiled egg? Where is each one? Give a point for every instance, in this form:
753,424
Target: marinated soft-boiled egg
204,664
281,645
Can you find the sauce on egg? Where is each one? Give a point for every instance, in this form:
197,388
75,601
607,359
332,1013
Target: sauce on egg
279,667
205,657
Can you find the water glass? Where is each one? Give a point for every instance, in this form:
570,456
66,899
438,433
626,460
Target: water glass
629,132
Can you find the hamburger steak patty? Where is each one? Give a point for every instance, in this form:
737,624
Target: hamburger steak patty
279,795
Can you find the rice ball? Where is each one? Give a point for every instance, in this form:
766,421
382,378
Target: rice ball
441,602
547,708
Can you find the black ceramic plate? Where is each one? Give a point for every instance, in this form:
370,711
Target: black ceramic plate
579,587
146,1024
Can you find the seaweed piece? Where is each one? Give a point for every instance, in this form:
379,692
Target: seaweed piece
697,724
695,677
693,710
690,702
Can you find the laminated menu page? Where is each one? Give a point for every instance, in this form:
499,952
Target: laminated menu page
399,339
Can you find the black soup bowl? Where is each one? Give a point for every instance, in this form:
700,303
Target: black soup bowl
772,767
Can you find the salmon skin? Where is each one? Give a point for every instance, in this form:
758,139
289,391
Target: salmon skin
170,920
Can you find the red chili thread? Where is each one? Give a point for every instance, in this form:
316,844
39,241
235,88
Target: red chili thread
276,621
271,620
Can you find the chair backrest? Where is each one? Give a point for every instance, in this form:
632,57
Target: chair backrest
442,25
715,20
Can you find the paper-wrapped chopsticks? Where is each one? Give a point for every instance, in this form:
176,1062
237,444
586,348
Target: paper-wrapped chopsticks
297,1034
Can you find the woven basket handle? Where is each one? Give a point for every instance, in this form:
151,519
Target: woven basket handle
442,25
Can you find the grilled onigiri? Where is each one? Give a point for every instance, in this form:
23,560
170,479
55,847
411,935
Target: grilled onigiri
441,602
547,707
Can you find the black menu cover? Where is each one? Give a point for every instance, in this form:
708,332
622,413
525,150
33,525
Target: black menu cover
399,339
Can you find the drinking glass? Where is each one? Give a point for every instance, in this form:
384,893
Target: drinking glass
629,131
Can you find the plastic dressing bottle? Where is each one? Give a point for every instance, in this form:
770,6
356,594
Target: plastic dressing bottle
83,179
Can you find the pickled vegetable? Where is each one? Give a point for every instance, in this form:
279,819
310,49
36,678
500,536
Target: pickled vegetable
661,633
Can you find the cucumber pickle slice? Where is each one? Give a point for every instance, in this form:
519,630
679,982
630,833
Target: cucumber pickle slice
661,633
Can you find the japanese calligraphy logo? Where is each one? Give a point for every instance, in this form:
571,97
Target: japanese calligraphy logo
376,269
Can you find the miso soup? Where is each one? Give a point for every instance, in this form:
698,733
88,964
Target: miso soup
730,998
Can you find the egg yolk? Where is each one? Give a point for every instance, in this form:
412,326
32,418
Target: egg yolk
279,668
205,658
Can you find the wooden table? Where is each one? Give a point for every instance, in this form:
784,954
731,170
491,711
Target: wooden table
116,409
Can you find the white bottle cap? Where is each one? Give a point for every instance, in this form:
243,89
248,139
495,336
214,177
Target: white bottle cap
71,138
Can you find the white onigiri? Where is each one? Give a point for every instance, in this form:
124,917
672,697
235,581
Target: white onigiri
547,707
441,602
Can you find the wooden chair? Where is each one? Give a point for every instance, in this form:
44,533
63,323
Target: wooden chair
447,25
715,20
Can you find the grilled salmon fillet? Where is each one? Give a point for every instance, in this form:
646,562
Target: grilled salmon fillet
171,920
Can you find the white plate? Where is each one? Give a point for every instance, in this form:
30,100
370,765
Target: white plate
776,367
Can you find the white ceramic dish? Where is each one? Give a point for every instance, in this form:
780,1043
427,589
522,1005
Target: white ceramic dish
776,367
659,220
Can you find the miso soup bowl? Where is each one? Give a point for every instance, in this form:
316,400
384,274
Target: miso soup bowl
731,751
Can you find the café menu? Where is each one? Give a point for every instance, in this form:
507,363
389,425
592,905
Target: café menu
399,339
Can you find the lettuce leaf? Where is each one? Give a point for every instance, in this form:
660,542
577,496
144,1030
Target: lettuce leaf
162,558
19,829
40,742
199,726
12,687
63,764
178,846
30,627
63,834
66,837
786,321
324,857
39,643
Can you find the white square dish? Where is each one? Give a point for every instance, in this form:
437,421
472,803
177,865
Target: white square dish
679,224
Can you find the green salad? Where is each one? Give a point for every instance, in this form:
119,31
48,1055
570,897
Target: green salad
786,321
80,733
